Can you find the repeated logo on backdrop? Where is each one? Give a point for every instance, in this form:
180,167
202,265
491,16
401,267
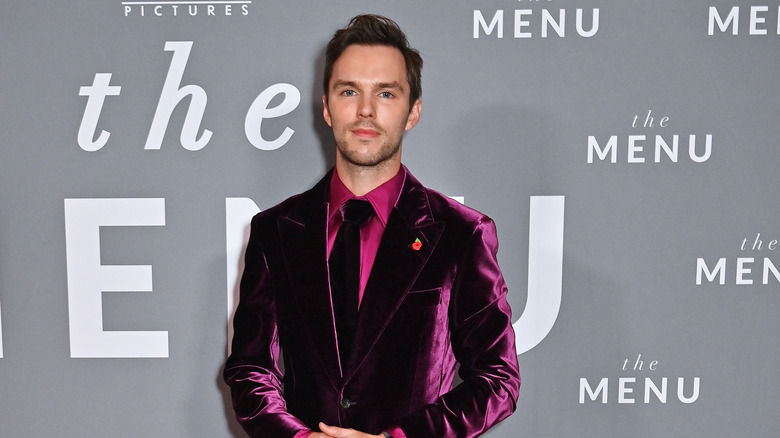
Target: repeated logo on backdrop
652,141
743,20
546,21
754,266
642,381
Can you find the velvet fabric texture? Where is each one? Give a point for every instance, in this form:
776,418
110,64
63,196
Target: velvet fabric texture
427,307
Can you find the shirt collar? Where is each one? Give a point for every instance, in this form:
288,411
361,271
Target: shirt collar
382,198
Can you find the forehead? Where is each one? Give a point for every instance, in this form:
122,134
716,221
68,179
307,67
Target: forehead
370,64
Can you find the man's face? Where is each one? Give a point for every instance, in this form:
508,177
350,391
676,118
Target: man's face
368,105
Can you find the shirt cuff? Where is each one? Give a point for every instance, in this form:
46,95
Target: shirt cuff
395,431
303,434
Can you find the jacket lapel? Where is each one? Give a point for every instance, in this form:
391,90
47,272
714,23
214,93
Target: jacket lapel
396,267
303,234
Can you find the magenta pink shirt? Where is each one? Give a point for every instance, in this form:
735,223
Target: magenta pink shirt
383,199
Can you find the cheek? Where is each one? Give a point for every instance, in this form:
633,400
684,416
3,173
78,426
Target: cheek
391,117
340,115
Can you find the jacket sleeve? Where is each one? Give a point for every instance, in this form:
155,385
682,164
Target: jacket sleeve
483,343
251,371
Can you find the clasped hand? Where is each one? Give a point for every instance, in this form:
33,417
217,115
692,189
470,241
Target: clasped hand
338,432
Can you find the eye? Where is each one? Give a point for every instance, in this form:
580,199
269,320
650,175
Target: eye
386,94
348,93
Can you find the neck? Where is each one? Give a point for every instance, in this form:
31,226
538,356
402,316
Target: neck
362,179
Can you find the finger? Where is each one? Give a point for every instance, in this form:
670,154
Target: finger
334,431
330,430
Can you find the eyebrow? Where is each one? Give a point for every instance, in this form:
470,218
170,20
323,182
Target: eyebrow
352,84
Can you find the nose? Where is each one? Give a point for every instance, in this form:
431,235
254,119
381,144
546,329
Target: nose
366,107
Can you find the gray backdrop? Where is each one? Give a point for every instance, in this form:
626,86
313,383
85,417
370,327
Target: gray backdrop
662,321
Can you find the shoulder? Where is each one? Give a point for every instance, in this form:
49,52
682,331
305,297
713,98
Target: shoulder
440,207
444,207
283,208
300,206
458,217
462,224
473,226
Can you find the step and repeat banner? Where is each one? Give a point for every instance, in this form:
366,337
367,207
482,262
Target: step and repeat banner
628,151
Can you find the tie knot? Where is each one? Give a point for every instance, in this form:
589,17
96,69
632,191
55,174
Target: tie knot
356,211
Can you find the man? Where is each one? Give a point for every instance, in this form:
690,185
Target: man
374,353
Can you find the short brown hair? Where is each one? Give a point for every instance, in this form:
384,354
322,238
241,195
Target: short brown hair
375,30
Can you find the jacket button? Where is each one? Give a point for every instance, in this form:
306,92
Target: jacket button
345,403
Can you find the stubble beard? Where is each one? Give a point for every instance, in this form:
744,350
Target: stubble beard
385,153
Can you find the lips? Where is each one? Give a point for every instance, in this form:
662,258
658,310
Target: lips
365,132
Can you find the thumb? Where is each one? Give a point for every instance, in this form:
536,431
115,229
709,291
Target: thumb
330,430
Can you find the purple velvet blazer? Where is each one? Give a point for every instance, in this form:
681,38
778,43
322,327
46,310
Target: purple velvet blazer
424,311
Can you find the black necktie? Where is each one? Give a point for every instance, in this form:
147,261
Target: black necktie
344,266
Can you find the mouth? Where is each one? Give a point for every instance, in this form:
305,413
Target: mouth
365,133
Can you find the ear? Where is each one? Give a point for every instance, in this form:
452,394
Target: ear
326,110
414,115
